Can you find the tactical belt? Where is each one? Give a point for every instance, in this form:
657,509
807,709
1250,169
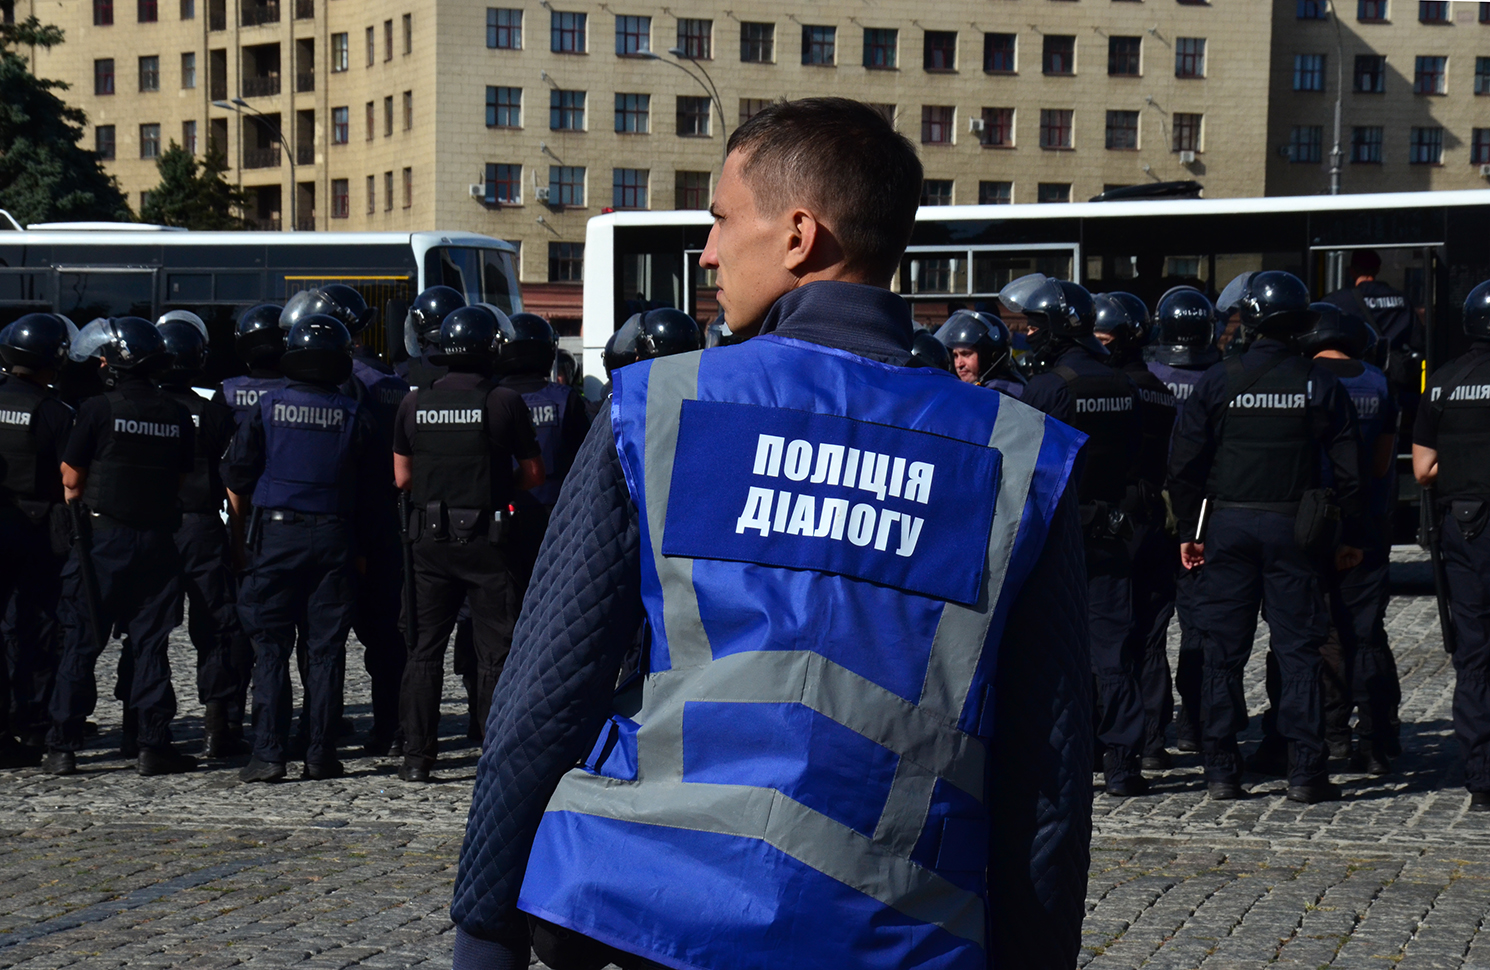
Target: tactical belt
290,515
1282,508
440,523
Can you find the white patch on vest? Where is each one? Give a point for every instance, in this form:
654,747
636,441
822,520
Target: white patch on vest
246,397
544,415
1465,392
1180,391
22,418
390,395
883,475
196,420
1099,405
1384,302
1367,407
152,429
1270,402
1156,397
305,415
471,416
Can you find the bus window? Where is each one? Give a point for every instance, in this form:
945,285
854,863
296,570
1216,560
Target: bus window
239,287
85,296
189,286
483,275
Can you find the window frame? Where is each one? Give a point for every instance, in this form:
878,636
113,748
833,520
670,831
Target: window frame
566,262
151,128
819,45
341,125
881,48
992,52
633,184
341,53
1189,135
764,44
110,152
105,82
939,45
1377,76
633,113
1313,144
633,35
1129,132
1438,77
1309,76
696,44
938,120
149,77
566,105
1358,142
568,27
1005,119
341,199
691,108
502,110
1189,58
984,192
497,31
569,184
1114,54
1051,56
499,174
1416,142
1054,121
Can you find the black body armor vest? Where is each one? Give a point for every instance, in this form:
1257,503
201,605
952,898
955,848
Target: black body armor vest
135,473
202,489
1266,451
1464,435
1156,410
1103,407
20,459
452,454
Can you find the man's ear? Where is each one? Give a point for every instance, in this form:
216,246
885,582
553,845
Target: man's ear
801,240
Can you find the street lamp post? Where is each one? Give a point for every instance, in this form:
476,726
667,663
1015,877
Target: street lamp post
1336,152
239,105
709,89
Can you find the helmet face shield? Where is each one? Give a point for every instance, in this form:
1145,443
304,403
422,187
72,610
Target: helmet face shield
91,339
1232,295
1029,290
184,316
411,336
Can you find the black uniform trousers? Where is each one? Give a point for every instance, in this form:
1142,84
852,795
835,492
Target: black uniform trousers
139,578
300,577
13,536
1155,556
33,645
1360,674
447,573
375,620
1252,560
1467,564
1191,661
224,655
1114,662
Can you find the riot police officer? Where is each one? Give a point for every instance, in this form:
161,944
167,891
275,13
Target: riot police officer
422,334
1123,326
259,342
455,447
309,458
1451,460
125,459
982,351
1247,450
927,351
34,425
224,659
1081,389
1183,347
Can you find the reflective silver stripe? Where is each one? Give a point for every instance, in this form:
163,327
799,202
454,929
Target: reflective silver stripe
671,381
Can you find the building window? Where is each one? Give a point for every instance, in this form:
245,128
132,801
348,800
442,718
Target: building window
633,35
372,194
387,191
696,38
188,9
567,33
818,44
1189,57
693,116
1433,11
757,43
340,199
998,53
936,192
566,185
1053,192
629,188
1370,73
939,51
1479,147
1308,72
937,124
1485,13
372,46
408,33
634,113
1365,146
149,141
340,53
504,107
103,76
995,193
1371,11
103,13
998,127
1482,75
1313,9
504,184
879,48
388,117
387,40
372,120
1187,132
750,107
1425,147
1123,56
504,29
408,110
566,262
1304,143
1122,130
408,188
1429,75
566,110
1055,128
691,190
147,11
340,127
145,200
189,70
1059,55
189,137
103,141
150,74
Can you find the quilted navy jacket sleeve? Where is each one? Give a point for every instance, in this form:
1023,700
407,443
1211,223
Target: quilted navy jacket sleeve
581,613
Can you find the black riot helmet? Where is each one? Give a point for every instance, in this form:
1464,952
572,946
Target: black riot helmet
125,344
979,331
1184,330
472,337
927,351
257,339
532,348
429,310
664,332
1125,319
36,341
620,348
1334,329
1273,303
186,343
336,300
318,350
1061,314
566,368
1477,312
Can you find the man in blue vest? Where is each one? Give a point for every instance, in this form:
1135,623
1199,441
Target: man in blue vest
860,735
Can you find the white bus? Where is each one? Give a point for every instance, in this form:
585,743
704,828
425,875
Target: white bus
87,270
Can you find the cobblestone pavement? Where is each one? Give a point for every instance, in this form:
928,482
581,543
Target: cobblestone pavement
108,869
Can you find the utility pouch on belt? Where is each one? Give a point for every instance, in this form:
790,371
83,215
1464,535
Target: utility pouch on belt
500,527
464,523
1316,526
434,521
1470,515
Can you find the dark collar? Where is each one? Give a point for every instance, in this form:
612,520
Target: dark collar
863,320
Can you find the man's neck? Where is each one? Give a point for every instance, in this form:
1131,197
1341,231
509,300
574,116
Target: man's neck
1333,354
1364,279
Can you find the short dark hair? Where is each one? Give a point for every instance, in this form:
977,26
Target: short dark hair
844,158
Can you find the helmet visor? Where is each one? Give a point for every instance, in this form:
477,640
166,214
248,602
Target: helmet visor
91,340
411,335
1027,290
185,316
1232,294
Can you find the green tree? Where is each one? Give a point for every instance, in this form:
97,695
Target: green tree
192,195
45,176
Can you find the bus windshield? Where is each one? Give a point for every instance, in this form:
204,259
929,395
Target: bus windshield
482,275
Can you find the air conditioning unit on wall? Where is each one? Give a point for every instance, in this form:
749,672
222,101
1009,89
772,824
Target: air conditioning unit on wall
1485,171
975,125
478,191
541,194
1187,158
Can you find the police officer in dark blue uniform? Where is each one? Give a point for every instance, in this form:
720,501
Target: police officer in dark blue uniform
982,351
455,447
309,457
1247,446
1123,326
259,342
125,459
224,658
422,334
1451,456
1182,349
34,425
927,351
1081,389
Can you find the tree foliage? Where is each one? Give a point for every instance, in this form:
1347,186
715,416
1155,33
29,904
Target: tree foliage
45,174
192,195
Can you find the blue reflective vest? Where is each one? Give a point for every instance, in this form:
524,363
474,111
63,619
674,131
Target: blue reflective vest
1373,402
308,461
548,406
830,547
242,393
